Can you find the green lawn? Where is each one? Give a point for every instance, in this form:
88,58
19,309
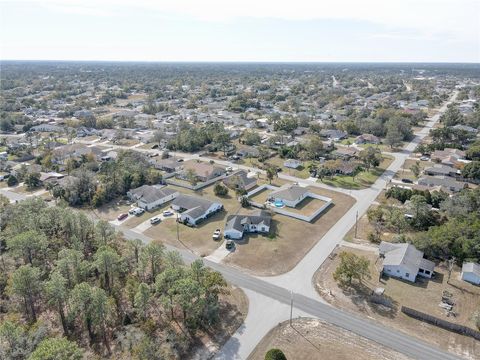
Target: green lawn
363,180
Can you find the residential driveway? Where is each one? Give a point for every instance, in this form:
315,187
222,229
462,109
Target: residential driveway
144,226
221,253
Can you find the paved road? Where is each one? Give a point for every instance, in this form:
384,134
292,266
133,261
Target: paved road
270,297
272,302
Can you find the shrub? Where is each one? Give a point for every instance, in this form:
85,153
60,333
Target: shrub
220,190
275,354
12,181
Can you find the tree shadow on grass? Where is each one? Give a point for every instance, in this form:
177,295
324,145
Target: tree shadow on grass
363,298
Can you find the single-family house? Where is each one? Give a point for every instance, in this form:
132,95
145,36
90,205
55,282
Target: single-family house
237,225
167,165
290,195
150,197
471,273
441,170
335,135
404,261
448,156
367,139
465,128
203,171
293,163
240,180
193,209
445,182
345,153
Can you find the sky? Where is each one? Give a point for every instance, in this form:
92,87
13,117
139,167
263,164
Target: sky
242,30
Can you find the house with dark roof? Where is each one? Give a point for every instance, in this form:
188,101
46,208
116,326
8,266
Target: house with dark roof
291,195
194,209
404,261
240,180
335,135
441,170
367,139
237,225
150,197
445,182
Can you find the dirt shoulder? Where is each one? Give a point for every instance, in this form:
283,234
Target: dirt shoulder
424,295
314,339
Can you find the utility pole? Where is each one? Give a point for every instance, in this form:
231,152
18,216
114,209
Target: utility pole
178,231
356,224
291,307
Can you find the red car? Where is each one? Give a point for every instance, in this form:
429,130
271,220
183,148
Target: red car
122,216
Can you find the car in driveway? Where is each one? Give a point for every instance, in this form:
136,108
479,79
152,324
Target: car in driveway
407,181
229,245
136,211
155,220
229,168
167,213
122,216
216,234
424,158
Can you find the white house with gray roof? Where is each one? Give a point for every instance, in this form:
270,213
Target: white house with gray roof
291,195
237,225
193,209
471,273
149,197
404,261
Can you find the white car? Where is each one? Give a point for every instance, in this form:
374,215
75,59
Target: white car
137,211
167,213
216,234
155,220
229,168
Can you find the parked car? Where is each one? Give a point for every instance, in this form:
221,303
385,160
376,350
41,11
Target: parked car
153,154
407,181
424,158
216,234
229,245
167,213
155,220
229,168
122,216
180,160
136,211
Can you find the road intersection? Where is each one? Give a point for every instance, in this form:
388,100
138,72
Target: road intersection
270,297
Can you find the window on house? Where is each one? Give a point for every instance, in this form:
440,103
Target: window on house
407,274
427,272
398,271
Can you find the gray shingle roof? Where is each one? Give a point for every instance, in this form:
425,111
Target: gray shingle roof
237,221
149,194
405,255
291,193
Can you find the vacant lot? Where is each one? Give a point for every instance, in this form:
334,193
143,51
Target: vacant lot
363,180
111,210
424,295
291,239
314,339
233,310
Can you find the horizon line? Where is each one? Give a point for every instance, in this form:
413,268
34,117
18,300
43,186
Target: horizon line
244,61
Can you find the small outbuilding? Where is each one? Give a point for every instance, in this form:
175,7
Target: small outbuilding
471,273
